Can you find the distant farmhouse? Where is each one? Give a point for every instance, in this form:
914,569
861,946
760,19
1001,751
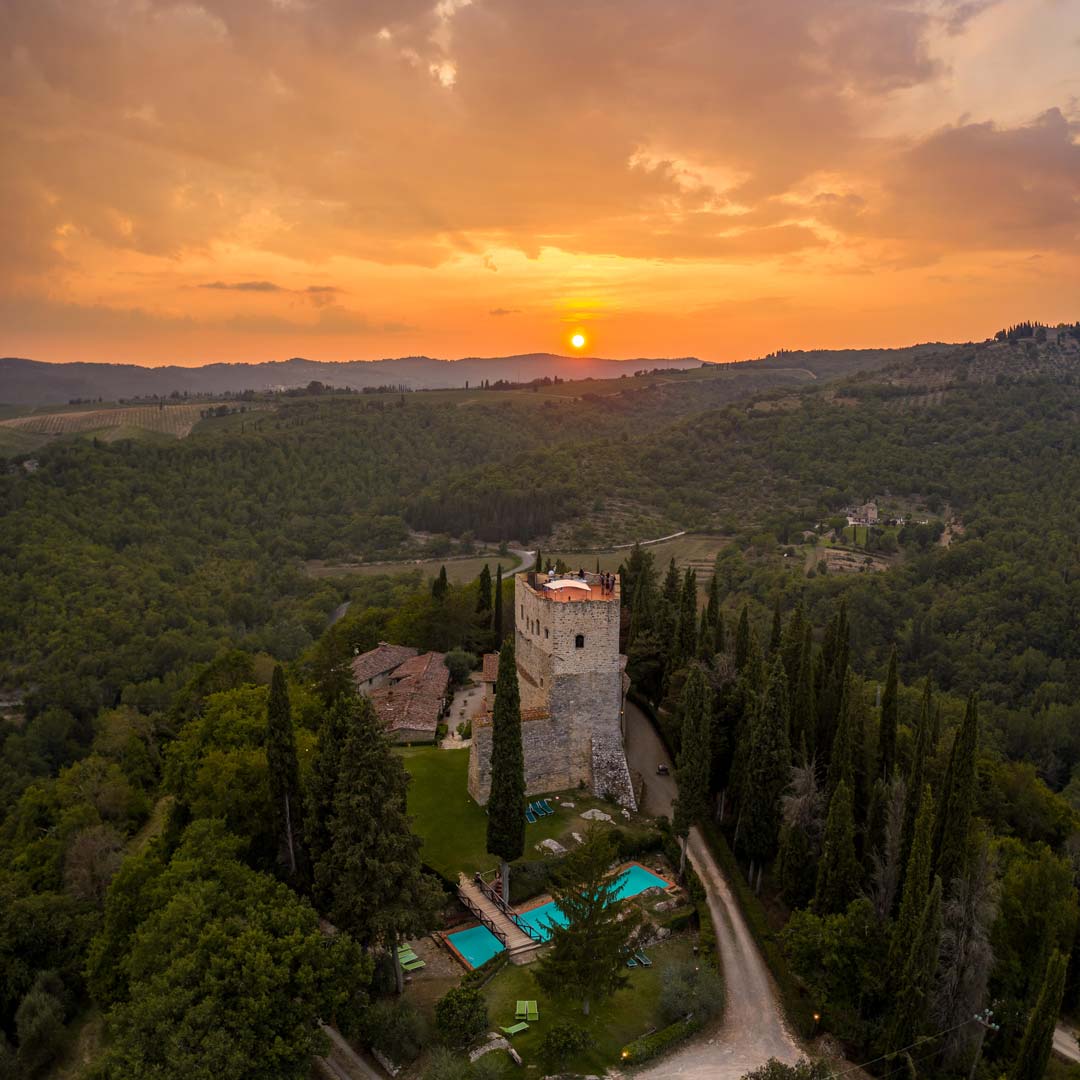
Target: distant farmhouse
572,684
409,690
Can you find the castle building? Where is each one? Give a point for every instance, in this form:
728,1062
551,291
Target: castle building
572,683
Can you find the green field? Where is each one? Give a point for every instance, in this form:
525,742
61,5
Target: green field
454,828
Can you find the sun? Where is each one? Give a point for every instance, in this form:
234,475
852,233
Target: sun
578,341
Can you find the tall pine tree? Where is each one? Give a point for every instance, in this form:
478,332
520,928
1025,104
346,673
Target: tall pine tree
803,705
506,804
497,600
889,719
483,592
695,756
284,776
686,644
1038,1039
838,871
917,774
957,798
742,639
911,1003
916,884
371,870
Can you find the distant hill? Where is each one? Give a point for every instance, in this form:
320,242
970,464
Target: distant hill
29,382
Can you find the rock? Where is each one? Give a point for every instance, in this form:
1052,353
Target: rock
596,815
495,1042
551,845
569,805
626,813
578,837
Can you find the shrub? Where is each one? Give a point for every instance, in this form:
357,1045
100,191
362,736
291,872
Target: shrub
530,879
39,1024
690,989
677,920
396,1028
561,1043
650,1046
491,1066
446,1065
461,1015
490,967
459,663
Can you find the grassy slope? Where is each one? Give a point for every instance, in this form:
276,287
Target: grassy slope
631,1012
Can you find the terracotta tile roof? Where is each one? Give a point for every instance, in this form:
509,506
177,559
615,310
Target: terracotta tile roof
380,660
415,665
490,671
415,702
539,712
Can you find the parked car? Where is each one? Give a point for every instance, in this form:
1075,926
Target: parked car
661,769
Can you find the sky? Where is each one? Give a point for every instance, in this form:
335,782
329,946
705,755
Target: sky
226,180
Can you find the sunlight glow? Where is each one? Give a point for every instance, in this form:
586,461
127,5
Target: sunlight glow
578,340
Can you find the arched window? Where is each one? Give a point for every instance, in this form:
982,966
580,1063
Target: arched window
579,641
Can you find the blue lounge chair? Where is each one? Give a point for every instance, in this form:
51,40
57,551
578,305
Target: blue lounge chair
530,817
547,808
642,959
631,962
537,809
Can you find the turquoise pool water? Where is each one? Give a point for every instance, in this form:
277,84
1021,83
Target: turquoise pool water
479,944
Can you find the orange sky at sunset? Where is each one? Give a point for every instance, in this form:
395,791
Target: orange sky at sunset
338,179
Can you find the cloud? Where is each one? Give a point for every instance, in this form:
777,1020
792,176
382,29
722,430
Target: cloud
505,311
243,286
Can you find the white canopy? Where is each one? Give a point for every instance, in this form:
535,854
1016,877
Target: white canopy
568,583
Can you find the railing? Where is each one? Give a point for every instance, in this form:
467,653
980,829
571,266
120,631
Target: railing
509,912
483,918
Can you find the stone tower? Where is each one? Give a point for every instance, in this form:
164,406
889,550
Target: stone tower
570,675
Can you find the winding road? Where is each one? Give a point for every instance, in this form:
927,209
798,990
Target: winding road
753,1028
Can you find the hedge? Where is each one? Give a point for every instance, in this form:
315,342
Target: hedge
799,1011
478,977
650,1046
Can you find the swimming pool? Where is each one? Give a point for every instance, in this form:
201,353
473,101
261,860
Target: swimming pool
479,944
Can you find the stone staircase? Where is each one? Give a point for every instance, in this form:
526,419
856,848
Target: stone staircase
521,948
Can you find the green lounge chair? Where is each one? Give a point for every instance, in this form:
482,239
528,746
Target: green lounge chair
413,965
521,1010
532,1012
515,1029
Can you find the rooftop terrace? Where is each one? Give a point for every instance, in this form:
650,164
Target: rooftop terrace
572,588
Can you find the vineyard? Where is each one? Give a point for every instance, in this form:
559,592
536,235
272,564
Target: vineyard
174,421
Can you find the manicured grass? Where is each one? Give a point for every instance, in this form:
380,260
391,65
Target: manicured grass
454,827
629,1013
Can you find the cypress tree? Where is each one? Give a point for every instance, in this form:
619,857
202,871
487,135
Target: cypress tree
483,593
539,565
957,797
911,1004
695,756
712,605
742,639
319,803
767,771
506,804
889,717
284,775
841,764
640,611
497,599
720,642
916,883
687,631
838,871
777,630
705,638
803,707
440,586
917,775
791,646
371,870
1038,1038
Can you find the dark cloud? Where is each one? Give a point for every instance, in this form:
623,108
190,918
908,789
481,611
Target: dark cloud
243,286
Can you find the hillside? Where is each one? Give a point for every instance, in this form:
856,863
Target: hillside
29,382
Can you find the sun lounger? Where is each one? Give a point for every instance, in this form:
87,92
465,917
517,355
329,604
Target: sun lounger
521,1010
530,817
515,1029
413,965
547,807
642,959
631,962
532,1012
537,809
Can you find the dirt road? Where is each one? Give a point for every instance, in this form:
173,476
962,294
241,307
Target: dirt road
753,1029
1065,1042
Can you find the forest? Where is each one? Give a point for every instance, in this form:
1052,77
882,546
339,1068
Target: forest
917,728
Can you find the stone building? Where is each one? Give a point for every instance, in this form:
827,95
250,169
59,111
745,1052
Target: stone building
375,667
571,680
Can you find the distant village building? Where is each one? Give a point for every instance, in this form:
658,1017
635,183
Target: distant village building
572,683
867,514
408,690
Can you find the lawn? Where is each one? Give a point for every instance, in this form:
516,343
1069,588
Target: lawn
454,828
629,1013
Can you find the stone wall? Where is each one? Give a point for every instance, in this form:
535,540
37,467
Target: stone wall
550,761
